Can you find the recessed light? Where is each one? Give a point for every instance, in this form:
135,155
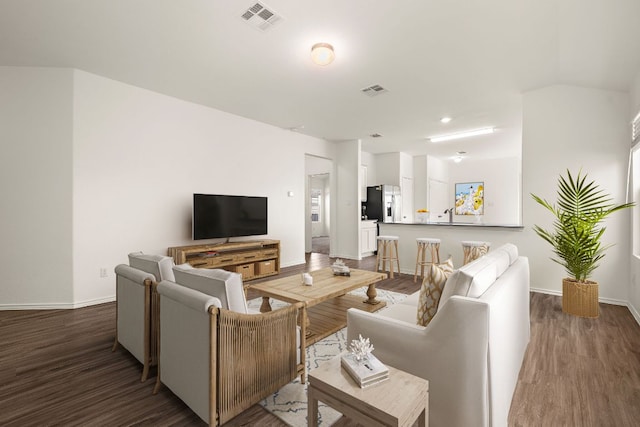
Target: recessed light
445,120
466,134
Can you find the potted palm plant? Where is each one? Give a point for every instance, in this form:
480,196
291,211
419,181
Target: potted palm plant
576,239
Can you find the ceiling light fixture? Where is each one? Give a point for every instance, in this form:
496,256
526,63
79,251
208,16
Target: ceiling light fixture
475,132
445,120
322,54
459,156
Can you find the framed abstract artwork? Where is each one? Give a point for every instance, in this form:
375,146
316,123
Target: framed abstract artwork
470,198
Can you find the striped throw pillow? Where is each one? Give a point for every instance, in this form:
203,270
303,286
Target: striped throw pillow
431,291
472,253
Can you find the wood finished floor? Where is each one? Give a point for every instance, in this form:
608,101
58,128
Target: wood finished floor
57,368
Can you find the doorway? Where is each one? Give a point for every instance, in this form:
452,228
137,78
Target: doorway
319,206
318,177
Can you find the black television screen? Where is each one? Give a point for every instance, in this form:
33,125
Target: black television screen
216,215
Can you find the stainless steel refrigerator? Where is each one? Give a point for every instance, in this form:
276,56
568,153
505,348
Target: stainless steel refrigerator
384,203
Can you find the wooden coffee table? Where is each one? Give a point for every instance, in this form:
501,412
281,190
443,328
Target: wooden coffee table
327,299
398,401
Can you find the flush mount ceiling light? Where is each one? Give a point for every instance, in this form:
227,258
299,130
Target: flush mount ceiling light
459,156
445,120
475,132
322,54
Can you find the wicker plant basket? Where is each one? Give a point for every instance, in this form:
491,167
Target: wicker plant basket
580,299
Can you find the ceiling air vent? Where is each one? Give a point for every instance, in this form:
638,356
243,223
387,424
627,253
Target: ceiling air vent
374,90
260,16
375,135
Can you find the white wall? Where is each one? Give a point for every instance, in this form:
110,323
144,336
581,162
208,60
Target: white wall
36,188
571,127
634,283
502,186
369,160
347,207
502,189
437,176
420,183
138,156
387,167
407,188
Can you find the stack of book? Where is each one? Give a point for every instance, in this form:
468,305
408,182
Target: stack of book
367,372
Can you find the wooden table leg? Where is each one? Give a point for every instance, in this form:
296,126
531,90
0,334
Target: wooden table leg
372,294
303,319
422,419
312,409
265,307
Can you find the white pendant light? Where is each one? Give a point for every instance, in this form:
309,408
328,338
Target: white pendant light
322,54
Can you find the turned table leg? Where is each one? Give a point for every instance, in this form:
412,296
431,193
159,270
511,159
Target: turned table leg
372,294
265,307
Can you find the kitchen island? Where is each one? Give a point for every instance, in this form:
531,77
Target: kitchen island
451,235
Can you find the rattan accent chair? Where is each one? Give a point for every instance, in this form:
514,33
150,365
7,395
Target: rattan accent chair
137,306
220,362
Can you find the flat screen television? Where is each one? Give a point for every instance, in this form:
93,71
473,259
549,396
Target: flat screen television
217,216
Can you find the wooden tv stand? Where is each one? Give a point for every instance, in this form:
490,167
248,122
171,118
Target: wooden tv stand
253,259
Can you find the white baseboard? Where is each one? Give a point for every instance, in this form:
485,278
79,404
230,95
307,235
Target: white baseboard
57,305
341,256
546,291
600,299
292,263
613,301
634,313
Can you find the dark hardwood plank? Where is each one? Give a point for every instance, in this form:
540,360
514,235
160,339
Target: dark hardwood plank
57,368
579,371
330,316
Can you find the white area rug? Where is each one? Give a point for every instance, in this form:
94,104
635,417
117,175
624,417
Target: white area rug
290,402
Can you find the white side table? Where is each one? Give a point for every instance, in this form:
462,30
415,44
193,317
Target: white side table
398,401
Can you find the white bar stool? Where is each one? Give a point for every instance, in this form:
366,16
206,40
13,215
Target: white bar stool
387,252
472,250
432,246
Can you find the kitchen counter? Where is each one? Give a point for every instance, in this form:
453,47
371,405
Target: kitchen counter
451,236
458,224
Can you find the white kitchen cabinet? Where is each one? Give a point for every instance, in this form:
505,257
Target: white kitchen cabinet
368,237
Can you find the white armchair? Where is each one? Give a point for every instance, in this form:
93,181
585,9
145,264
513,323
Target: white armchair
222,284
221,362
135,307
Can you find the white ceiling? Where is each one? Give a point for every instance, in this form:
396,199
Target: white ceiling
469,59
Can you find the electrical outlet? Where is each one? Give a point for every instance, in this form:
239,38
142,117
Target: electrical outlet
103,272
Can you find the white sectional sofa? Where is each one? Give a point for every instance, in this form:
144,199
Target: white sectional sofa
472,350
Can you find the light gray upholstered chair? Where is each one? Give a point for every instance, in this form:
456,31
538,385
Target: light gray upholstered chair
136,303
220,362
222,284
